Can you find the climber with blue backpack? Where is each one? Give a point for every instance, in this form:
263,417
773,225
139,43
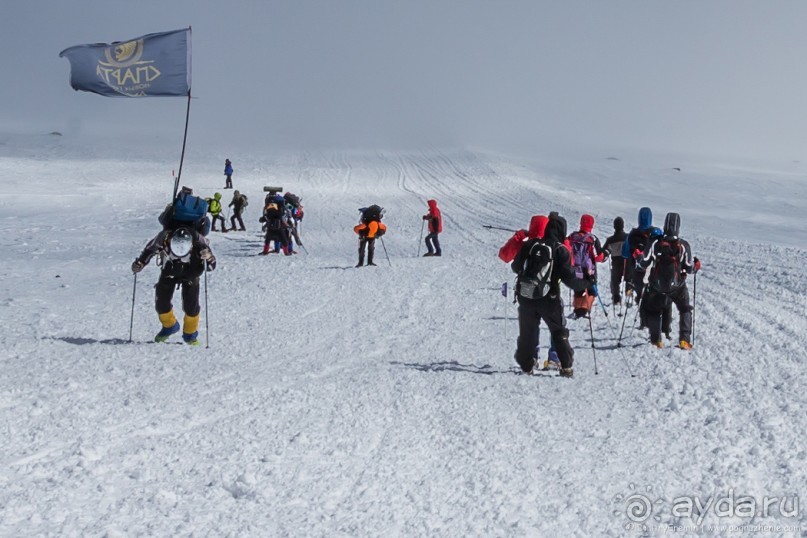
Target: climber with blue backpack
183,254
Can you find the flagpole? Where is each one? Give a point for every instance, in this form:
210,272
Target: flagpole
184,141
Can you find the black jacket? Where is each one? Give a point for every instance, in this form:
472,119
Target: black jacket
614,244
187,268
662,248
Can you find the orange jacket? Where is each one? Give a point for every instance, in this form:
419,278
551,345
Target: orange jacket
372,230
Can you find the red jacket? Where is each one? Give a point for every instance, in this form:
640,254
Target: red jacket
434,217
537,226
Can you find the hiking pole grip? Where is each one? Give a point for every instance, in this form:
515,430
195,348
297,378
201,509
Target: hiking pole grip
131,318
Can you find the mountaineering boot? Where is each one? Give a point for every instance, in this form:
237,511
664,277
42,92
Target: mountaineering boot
191,339
566,372
428,254
683,344
190,334
658,344
265,250
170,326
361,261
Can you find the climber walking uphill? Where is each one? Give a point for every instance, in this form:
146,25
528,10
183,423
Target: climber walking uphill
668,260
541,264
182,253
275,224
586,254
214,207
435,220
613,247
293,215
239,203
368,228
637,240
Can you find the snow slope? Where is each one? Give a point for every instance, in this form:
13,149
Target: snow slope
336,401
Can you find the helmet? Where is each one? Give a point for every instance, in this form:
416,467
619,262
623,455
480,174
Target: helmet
236,194
217,196
181,242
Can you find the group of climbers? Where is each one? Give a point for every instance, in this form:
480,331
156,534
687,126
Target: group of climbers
543,256
652,263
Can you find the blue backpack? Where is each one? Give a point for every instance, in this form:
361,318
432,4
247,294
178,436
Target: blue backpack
186,209
189,208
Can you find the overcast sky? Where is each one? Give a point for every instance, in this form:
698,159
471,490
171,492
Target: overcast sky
714,77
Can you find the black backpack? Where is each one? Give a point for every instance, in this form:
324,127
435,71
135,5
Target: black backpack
273,216
292,199
535,279
666,274
372,213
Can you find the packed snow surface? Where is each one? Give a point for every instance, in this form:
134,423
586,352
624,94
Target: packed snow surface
384,401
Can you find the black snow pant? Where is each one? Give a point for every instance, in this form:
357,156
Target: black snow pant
530,314
370,242
229,182
223,222
433,243
656,307
617,271
164,293
237,216
280,237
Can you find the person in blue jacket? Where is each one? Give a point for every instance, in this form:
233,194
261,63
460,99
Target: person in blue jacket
228,171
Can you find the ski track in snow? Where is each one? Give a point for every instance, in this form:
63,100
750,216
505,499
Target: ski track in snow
336,401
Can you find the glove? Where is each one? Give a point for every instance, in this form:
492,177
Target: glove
206,255
637,254
137,266
697,265
425,217
520,235
211,263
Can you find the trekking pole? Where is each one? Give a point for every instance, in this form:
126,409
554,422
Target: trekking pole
597,291
422,224
593,349
506,313
131,319
613,334
303,247
624,317
385,251
489,227
207,319
694,296
638,311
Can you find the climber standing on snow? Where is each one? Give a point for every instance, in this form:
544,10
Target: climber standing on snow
435,220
